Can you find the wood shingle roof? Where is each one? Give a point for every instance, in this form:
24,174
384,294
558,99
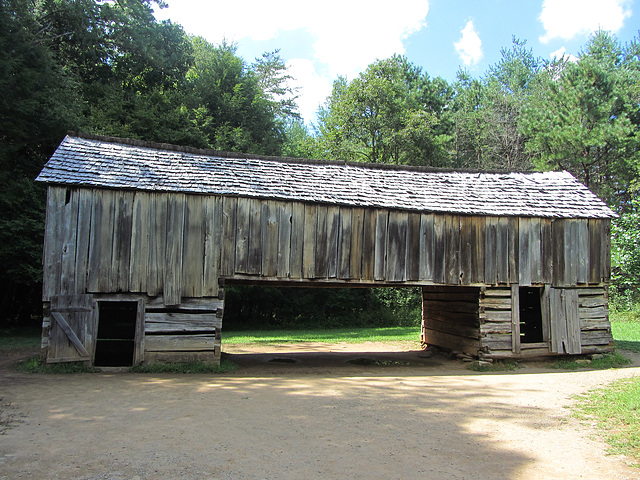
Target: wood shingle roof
123,164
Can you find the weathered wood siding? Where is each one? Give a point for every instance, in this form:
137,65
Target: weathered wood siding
109,241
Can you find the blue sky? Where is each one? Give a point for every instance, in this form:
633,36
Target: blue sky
321,40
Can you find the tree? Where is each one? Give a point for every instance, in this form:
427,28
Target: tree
584,117
383,116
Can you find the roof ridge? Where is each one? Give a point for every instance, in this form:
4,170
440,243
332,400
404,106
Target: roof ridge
309,161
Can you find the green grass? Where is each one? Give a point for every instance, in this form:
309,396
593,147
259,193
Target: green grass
34,365
13,338
339,335
616,409
625,328
225,366
610,360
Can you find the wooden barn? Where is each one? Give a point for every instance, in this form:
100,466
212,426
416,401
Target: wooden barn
140,240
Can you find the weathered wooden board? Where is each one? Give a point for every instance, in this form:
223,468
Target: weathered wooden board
180,343
565,321
254,261
368,247
213,225
157,243
195,223
270,224
344,243
452,250
380,253
309,245
181,322
284,238
229,236
426,247
121,255
139,257
297,239
439,241
52,254
357,243
72,336
515,318
321,241
69,242
173,268
397,246
333,227
491,251
452,342
243,224
101,242
413,247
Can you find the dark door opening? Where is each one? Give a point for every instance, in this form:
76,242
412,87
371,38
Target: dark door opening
116,334
530,315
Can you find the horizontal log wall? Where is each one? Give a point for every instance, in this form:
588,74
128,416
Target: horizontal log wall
190,331
176,245
450,318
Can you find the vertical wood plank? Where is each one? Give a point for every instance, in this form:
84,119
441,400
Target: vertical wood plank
397,246
309,246
357,243
368,257
101,249
467,235
557,245
571,252
452,250
491,251
515,318
535,250
243,225
297,239
269,238
321,260
228,239
574,345
333,234
545,307
344,243
52,257
157,242
213,221
69,242
172,288
524,251
122,232
512,229
595,246
439,239
502,250
478,250
255,237
583,250
284,238
546,251
194,243
426,247
85,202
413,247
139,266
606,250
380,249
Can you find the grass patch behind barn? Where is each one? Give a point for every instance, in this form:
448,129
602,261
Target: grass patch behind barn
625,327
334,335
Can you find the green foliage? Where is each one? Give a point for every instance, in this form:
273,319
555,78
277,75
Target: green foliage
388,114
193,367
584,117
625,327
625,256
293,307
616,409
13,338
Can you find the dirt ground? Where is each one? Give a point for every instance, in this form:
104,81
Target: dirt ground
305,412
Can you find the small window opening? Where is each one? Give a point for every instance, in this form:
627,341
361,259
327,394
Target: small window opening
115,342
530,315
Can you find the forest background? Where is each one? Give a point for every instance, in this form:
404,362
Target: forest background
110,68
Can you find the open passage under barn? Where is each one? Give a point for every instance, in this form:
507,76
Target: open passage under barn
141,238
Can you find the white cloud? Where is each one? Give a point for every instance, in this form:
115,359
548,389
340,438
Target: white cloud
348,34
316,88
568,18
562,52
469,47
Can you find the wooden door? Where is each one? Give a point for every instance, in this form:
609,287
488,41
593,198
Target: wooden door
565,321
74,322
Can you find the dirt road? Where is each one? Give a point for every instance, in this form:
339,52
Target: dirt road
320,417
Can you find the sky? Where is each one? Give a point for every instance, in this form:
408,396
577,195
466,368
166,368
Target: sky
320,41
